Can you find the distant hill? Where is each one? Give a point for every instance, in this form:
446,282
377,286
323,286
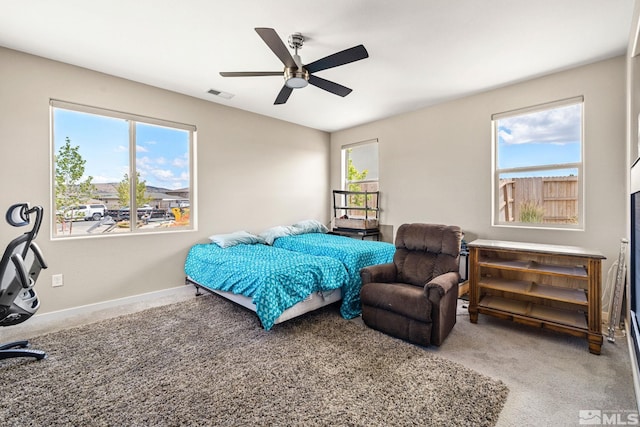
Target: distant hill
110,188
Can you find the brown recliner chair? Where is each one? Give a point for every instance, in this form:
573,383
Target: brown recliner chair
415,297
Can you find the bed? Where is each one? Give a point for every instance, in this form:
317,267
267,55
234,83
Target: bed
354,254
276,283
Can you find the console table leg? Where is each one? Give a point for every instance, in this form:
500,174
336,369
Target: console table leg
473,316
595,343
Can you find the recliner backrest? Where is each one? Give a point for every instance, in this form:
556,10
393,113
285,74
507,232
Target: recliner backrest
424,251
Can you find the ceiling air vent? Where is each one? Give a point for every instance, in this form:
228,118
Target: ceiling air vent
221,94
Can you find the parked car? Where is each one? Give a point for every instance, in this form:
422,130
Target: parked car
90,212
142,211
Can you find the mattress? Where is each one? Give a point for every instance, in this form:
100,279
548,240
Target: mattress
310,303
274,279
354,254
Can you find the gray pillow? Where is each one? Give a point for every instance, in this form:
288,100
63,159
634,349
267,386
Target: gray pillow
235,238
271,234
310,226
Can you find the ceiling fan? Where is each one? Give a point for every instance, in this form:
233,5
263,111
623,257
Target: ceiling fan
296,75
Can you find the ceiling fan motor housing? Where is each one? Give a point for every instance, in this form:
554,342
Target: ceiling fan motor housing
296,78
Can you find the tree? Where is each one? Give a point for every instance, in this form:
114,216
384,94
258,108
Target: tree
70,188
353,174
124,187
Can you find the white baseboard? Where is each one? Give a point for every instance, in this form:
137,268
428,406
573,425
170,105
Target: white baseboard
56,320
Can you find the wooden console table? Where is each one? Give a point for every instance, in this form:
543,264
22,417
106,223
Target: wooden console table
548,286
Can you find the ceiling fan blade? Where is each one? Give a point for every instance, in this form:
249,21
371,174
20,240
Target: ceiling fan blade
346,56
275,43
283,95
329,86
250,73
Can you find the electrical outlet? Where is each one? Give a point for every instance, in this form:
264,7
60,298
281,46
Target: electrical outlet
57,280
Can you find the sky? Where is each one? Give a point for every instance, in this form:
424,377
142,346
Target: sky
162,154
365,157
545,137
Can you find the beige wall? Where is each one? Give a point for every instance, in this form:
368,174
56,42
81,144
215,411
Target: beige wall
253,172
435,163
434,167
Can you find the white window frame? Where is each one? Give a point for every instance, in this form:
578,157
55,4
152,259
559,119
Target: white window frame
496,220
345,163
132,119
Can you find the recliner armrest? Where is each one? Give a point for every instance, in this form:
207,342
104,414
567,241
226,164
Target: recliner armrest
442,292
440,285
381,273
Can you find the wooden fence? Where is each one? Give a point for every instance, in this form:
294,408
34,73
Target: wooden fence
551,200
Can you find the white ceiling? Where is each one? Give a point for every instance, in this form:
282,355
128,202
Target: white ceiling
421,52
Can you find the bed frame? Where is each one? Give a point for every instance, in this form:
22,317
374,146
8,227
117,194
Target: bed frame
313,302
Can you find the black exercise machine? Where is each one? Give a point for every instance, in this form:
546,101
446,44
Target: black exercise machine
19,269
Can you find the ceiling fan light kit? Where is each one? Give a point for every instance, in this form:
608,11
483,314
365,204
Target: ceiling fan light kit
296,79
296,75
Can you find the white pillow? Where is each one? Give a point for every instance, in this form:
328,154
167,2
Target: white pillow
271,234
310,226
235,238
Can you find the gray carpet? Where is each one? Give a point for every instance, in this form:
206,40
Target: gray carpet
207,362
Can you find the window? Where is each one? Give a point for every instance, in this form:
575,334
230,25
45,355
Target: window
116,173
360,172
538,166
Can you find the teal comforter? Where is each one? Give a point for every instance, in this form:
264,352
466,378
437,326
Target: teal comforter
353,253
274,278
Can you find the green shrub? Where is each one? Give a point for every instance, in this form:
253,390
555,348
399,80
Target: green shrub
531,211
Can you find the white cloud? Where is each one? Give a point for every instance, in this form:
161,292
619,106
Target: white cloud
162,174
166,178
141,149
181,162
143,162
101,179
557,126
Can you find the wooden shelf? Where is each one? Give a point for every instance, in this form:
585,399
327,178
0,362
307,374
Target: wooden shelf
568,295
573,319
577,272
548,286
